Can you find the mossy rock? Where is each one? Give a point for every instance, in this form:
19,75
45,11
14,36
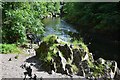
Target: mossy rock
60,53
70,58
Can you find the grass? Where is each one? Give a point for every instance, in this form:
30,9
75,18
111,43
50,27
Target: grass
81,44
9,48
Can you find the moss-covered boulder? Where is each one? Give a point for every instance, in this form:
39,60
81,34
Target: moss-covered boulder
72,58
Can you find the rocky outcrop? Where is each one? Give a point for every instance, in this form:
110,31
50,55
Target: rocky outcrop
117,75
74,58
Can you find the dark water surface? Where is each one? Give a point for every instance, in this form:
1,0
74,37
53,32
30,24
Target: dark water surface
99,46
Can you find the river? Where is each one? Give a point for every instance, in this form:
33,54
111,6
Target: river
99,46
59,27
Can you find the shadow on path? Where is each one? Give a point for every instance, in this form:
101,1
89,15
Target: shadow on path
35,62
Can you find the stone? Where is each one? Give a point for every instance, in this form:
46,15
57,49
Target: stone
35,77
84,64
58,40
68,69
117,75
85,57
59,61
81,71
16,57
101,61
63,61
66,51
91,57
69,58
43,48
10,59
113,69
76,57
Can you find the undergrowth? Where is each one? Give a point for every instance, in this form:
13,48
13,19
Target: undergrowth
9,48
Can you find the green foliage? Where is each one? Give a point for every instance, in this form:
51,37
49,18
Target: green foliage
50,39
74,68
94,16
81,44
9,48
57,7
98,69
21,17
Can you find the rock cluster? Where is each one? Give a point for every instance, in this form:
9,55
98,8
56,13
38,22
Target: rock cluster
73,58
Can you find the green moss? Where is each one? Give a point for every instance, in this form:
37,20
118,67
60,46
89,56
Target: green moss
90,64
50,39
74,69
79,43
49,57
97,69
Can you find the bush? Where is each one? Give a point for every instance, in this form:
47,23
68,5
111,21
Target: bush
17,17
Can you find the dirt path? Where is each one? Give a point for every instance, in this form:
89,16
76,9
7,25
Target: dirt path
10,67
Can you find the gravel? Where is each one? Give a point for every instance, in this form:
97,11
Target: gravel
13,69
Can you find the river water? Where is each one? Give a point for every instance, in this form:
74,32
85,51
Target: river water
59,27
99,46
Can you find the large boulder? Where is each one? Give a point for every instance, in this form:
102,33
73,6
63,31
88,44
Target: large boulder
66,51
61,56
73,58
76,57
